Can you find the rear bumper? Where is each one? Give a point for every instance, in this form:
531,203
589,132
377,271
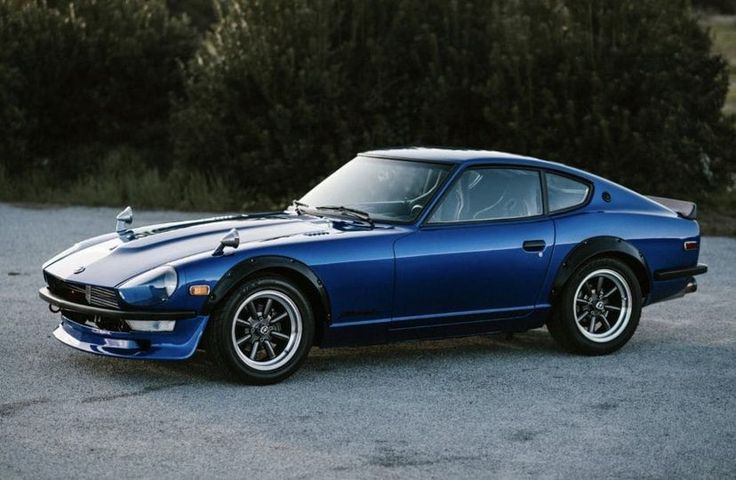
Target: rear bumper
674,283
674,273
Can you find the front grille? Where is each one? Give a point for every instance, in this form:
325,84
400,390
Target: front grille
83,294
103,297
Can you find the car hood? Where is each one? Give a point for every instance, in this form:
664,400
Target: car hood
109,260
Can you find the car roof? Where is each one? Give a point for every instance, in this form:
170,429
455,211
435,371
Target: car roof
466,156
452,155
445,155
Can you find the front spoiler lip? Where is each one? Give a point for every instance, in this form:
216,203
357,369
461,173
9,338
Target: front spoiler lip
177,345
48,297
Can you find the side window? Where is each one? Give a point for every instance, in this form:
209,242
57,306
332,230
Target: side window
491,194
564,192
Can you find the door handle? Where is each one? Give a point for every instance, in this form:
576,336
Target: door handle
534,245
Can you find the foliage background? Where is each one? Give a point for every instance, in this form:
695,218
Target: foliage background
229,104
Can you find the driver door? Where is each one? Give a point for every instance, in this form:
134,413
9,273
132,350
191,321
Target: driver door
479,258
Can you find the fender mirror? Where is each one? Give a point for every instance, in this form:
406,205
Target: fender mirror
123,220
231,239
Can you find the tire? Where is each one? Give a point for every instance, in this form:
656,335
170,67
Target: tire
593,318
269,314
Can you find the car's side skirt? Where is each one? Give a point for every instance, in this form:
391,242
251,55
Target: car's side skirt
475,323
415,328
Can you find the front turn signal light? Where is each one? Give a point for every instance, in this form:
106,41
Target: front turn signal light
199,290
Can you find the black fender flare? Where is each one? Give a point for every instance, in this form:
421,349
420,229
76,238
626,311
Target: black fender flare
597,246
239,272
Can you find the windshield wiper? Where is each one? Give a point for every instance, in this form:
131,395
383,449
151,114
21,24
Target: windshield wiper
299,206
353,212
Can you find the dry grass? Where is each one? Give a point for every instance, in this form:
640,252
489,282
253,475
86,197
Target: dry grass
123,179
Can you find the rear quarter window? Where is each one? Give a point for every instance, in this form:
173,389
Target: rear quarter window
565,192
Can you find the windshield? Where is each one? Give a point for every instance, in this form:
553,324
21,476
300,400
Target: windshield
391,190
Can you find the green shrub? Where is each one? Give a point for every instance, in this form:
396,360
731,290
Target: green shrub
283,91
719,6
201,13
81,77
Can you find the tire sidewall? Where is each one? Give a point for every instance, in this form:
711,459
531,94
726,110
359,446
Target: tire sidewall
567,314
225,316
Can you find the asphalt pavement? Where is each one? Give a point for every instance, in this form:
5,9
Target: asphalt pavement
483,407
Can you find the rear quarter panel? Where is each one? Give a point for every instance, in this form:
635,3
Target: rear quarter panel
654,230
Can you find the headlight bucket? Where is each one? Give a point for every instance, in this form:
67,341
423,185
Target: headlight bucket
150,288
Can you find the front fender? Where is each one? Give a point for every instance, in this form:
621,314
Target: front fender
240,271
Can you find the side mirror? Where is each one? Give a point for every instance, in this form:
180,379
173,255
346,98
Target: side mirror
231,239
124,219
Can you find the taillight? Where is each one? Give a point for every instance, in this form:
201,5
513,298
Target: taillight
690,245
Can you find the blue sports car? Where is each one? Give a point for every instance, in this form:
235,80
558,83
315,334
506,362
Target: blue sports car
396,245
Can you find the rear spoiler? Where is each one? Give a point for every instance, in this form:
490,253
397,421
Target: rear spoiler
684,209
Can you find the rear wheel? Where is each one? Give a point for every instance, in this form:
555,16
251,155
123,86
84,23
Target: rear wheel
599,308
263,332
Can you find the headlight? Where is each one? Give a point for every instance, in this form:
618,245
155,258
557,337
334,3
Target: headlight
149,288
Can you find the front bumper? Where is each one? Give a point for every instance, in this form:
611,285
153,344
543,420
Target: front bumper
63,304
178,344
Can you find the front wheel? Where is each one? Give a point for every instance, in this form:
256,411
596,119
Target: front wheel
599,308
263,332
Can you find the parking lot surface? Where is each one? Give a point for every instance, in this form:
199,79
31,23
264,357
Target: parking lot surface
484,407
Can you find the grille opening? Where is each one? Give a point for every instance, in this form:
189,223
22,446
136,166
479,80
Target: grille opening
97,321
83,294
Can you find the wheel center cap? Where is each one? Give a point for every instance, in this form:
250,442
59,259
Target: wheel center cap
599,305
264,330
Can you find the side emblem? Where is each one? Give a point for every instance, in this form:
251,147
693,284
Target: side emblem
79,270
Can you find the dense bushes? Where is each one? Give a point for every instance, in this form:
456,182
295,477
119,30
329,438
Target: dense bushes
720,6
84,77
283,91
280,92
